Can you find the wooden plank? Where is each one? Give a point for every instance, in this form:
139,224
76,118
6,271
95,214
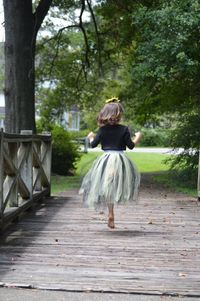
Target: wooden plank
63,246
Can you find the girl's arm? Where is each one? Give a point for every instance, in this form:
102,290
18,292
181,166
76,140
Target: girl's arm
94,139
137,137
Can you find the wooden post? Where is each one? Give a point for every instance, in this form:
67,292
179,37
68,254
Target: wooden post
198,181
37,186
10,183
26,170
86,144
46,153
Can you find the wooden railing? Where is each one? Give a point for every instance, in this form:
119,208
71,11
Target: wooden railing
25,169
198,181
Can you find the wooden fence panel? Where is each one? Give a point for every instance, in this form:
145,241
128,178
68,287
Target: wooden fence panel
25,169
198,181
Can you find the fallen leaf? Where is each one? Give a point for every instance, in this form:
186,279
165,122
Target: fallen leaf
182,275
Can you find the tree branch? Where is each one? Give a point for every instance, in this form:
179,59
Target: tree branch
40,13
59,33
87,50
97,35
58,37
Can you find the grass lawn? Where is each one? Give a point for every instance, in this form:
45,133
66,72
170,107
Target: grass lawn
146,162
179,185
149,162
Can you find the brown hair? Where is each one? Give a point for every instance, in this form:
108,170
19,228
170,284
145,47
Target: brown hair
111,113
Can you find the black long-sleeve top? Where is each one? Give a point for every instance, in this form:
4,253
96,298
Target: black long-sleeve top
113,137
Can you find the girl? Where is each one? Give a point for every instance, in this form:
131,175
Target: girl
113,178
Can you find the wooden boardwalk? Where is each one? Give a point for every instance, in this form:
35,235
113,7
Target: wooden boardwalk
155,248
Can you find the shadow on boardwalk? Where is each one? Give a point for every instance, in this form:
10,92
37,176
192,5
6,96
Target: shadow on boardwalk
63,246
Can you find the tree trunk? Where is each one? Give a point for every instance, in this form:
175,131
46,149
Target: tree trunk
19,66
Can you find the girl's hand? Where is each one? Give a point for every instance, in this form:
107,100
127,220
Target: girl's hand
91,136
137,137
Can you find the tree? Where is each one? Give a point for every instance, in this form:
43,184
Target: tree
21,28
79,71
165,62
69,61
23,20
22,23
165,72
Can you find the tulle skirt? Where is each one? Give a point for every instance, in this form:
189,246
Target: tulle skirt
112,179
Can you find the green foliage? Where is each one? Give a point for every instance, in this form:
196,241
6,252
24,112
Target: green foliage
78,134
166,61
187,132
186,136
68,82
82,74
165,73
149,58
155,137
64,152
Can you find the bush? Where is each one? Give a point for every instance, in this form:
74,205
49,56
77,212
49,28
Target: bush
155,137
186,135
79,134
64,152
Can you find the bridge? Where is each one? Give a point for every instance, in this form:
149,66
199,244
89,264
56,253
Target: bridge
58,245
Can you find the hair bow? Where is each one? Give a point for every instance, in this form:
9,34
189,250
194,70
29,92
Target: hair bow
113,99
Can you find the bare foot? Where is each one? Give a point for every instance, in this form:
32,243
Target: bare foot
111,223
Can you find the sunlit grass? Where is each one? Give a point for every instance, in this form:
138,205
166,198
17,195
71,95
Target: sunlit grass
149,162
146,162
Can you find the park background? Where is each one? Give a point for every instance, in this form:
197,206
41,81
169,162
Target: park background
145,53
64,58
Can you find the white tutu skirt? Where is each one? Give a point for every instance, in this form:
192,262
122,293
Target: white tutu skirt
112,179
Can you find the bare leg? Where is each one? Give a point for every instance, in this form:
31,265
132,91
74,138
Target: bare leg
111,223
